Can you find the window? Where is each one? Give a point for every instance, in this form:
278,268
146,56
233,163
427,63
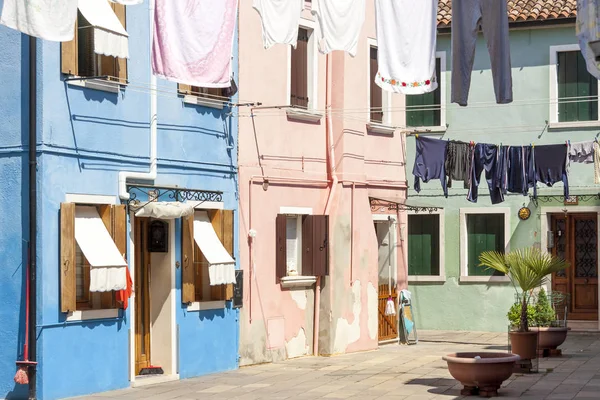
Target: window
75,282
577,89
195,274
375,92
210,97
483,230
299,78
302,73
78,57
424,245
302,245
426,110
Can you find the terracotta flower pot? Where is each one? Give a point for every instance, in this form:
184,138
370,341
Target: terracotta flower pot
524,344
482,376
550,338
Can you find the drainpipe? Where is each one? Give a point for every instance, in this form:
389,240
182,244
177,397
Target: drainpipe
330,142
150,175
32,345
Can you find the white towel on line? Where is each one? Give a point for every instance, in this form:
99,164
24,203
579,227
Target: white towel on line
340,23
280,20
52,20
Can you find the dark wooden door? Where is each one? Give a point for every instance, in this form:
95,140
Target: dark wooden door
576,240
142,296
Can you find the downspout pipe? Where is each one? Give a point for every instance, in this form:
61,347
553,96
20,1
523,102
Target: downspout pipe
32,345
152,173
330,142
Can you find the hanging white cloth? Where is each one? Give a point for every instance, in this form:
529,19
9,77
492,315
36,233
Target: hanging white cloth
340,23
127,2
165,210
588,30
406,40
280,20
221,269
110,37
46,19
596,162
107,265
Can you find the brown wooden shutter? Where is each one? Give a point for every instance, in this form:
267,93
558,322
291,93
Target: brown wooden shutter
299,73
280,247
120,230
68,290
307,246
320,244
184,89
121,63
376,95
188,270
228,243
69,55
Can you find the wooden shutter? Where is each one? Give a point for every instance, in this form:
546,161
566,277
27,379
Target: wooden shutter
280,247
424,109
320,243
228,243
121,63
423,244
69,55
307,246
68,290
188,270
184,89
299,73
376,94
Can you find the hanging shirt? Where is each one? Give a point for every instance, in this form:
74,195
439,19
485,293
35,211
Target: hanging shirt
406,40
582,152
485,157
124,295
193,41
280,20
340,23
430,162
458,162
521,171
46,19
551,166
588,30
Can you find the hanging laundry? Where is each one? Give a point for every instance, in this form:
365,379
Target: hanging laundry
340,23
521,171
123,296
430,162
46,19
467,15
582,152
596,162
406,39
485,157
193,41
588,30
551,166
458,160
280,20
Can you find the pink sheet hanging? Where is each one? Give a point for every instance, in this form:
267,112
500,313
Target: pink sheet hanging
193,41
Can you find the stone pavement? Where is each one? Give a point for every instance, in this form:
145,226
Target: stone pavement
391,372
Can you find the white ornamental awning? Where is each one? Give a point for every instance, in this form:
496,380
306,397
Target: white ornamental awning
221,269
110,37
165,210
107,265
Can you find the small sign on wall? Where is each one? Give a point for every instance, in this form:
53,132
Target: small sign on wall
571,201
238,289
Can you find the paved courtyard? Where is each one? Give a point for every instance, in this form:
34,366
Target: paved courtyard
392,372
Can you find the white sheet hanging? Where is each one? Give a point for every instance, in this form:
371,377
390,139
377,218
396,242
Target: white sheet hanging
221,268
280,20
110,37
165,210
47,19
340,24
107,265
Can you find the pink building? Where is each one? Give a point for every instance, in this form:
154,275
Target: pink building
321,255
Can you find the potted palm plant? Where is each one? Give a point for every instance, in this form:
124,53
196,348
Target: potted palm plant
527,269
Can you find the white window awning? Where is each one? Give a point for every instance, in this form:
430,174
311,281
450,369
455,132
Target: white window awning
107,265
165,210
221,269
110,37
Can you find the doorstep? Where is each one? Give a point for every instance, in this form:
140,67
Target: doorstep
145,380
583,326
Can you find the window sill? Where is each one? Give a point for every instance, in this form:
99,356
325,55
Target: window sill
297,281
300,114
426,279
574,124
206,305
86,315
485,279
440,130
96,84
200,101
381,129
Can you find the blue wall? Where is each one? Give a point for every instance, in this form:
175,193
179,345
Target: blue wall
86,137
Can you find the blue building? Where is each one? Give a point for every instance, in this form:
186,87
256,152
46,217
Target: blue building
110,147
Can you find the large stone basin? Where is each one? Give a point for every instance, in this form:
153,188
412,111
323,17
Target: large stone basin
483,375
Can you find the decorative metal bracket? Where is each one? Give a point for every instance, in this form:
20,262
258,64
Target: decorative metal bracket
550,198
384,205
171,193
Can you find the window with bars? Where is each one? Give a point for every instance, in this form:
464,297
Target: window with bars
577,89
485,232
299,70
425,109
424,245
79,59
375,92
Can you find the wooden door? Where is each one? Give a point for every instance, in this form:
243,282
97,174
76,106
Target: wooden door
388,324
576,240
142,296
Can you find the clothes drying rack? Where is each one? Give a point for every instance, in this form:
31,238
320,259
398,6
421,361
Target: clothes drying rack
407,327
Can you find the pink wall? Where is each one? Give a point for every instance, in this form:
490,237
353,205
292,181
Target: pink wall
277,323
